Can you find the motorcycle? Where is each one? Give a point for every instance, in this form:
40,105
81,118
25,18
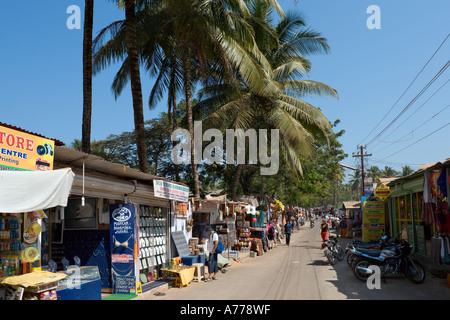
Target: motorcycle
333,251
391,260
311,224
376,244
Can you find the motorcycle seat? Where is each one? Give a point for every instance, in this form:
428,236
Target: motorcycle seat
372,253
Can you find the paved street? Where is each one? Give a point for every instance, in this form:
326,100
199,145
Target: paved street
296,272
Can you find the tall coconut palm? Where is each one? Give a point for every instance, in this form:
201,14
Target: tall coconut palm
87,75
275,105
204,32
135,79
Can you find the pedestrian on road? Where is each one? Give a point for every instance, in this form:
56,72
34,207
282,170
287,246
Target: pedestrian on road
287,232
213,242
324,230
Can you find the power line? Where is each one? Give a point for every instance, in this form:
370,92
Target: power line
417,75
417,141
379,141
423,123
412,101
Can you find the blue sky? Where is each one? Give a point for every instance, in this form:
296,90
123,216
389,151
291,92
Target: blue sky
41,75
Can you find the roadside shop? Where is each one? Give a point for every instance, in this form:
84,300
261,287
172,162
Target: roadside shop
29,189
418,207
123,227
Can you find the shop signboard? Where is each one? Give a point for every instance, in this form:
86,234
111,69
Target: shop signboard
382,192
20,151
181,209
373,220
171,191
420,240
122,232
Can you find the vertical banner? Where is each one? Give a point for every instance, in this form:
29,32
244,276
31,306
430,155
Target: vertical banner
373,220
122,231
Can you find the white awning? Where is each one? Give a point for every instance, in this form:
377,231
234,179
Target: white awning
26,191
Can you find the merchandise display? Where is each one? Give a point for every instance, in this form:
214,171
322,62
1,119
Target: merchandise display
152,238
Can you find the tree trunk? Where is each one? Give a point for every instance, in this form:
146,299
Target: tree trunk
190,118
87,76
174,114
136,90
236,181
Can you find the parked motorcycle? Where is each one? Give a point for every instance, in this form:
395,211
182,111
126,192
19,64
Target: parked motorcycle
376,244
391,260
333,251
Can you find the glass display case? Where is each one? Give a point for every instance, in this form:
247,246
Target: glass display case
83,283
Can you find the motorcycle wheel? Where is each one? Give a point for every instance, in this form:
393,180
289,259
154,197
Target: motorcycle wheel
340,253
331,258
350,259
359,274
415,271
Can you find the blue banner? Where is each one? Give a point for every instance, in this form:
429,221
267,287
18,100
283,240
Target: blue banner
122,231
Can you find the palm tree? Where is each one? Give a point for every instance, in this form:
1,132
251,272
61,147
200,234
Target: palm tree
202,33
375,173
87,75
406,171
389,172
355,181
275,105
135,79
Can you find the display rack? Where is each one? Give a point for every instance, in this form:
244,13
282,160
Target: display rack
152,238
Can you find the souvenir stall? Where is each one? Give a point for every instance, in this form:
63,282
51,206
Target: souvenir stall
25,197
418,209
128,247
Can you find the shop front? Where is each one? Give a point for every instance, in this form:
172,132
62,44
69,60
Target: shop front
29,189
116,219
419,209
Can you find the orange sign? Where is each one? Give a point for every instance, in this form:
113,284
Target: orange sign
23,151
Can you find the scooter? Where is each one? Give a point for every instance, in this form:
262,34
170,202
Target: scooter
311,224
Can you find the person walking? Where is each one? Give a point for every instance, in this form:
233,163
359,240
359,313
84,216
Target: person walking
213,242
287,232
324,228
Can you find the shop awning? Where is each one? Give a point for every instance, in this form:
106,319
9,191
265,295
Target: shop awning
26,191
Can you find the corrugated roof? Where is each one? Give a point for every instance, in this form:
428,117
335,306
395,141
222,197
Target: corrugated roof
430,165
57,142
351,204
75,158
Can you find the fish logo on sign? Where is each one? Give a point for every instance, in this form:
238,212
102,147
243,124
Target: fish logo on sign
121,214
382,192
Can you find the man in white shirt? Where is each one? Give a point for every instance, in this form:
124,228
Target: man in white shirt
213,242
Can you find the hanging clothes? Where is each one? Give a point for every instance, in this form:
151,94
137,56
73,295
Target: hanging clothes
436,245
445,257
428,212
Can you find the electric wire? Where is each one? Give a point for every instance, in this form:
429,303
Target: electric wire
412,131
380,141
417,141
441,71
417,75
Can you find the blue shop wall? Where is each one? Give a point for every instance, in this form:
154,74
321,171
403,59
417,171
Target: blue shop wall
91,246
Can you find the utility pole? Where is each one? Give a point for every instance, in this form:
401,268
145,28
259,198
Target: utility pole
361,155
